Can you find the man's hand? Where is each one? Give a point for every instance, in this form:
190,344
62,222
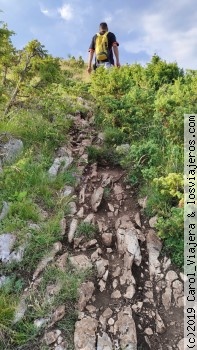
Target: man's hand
117,64
89,69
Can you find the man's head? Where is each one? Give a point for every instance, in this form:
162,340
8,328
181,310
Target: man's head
103,28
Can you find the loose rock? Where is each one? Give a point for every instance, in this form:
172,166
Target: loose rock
104,342
85,293
81,262
72,230
51,337
107,239
125,327
96,198
85,334
160,327
154,246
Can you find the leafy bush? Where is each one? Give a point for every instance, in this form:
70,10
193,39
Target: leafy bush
142,161
160,72
171,229
125,104
170,186
114,136
164,193
103,155
171,103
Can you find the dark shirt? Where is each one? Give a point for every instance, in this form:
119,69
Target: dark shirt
111,42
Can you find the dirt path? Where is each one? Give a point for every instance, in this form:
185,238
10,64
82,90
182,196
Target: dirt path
135,300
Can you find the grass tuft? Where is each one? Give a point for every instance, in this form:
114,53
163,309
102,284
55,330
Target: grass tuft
86,229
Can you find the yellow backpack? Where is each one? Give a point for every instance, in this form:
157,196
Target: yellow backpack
101,47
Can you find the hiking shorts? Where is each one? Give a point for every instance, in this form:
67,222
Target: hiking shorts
106,65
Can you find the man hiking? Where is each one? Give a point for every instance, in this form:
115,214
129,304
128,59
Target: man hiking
103,45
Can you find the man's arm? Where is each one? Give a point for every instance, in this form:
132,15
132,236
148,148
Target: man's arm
90,58
91,54
114,44
116,54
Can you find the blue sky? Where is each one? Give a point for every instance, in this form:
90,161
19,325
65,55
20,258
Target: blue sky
142,27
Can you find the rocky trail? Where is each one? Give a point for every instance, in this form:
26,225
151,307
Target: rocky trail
133,299
136,300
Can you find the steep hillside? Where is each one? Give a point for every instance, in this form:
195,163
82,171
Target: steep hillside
91,202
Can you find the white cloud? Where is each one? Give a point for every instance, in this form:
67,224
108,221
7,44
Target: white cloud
160,30
66,12
48,12
45,12
171,43
108,18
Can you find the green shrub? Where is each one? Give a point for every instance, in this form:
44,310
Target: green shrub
170,186
142,161
171,229
24,210
171,103
103,155
114,136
